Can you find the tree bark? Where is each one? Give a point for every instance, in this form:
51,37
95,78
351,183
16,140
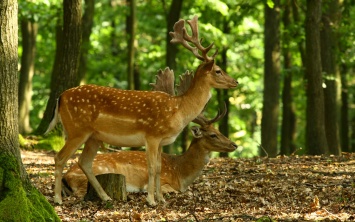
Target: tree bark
65,69
131,32
344,122
270,110
172,17
222,94
316,141
298,35
19,201
29,33
87,24
330,69
288,126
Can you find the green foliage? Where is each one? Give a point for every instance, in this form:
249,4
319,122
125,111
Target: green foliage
54,141
18,201
21,140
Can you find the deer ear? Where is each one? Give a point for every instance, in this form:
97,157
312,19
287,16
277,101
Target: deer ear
209,65
196,132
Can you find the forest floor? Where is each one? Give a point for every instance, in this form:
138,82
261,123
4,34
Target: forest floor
296,188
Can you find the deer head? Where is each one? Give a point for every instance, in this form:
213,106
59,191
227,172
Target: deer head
218,78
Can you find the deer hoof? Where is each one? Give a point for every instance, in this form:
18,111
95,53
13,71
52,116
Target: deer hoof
151,203
161,199
58,200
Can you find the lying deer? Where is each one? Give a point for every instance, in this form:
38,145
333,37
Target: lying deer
177,172
92,114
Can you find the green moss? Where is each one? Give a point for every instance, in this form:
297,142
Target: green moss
19,202
52,142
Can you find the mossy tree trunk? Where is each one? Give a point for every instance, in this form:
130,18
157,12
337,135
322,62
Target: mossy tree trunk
19,200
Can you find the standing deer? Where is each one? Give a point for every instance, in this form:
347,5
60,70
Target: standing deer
92,114
177,172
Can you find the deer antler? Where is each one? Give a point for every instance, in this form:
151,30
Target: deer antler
180,36
164,81
203,121
185,82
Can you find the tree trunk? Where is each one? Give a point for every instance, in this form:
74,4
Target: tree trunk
288,113
131,32
87,23
19,201
65,69
316,142
270,111
29,33
172,17
113,184
114,41
223,126
344,122
223,97
298,35
330,69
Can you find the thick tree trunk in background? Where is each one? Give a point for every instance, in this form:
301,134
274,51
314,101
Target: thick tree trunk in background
288,127
131,32
270,111
65,69
172,17
329,52
316,141
29,33
87,23
19,201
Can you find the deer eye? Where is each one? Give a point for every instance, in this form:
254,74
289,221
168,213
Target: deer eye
213,136
219,72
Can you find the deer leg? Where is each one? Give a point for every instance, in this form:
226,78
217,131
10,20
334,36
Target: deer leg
85,163
152,158
159,192
71,145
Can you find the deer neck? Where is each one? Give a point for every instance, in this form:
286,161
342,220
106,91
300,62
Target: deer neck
195,98
190,164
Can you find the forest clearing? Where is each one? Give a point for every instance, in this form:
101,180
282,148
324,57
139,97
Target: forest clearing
295,188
